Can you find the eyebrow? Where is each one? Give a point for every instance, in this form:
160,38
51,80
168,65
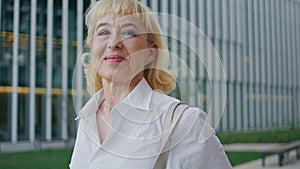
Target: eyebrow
101,24
129,25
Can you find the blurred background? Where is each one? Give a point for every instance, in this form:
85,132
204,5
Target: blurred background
257,41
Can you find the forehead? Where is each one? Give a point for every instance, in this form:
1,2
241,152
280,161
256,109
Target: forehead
114,19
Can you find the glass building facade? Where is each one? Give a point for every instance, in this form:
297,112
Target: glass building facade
257,42
38,55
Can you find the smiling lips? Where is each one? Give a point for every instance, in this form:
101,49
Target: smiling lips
114,58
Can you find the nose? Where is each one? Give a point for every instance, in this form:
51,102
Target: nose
115,43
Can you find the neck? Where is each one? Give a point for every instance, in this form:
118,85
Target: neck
115,91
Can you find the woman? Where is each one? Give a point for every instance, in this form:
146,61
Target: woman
121,126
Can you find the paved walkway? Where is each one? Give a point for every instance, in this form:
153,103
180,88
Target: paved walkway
271,161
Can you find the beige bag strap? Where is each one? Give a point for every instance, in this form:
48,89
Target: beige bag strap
173,115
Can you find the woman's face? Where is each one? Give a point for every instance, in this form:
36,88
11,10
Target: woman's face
120,47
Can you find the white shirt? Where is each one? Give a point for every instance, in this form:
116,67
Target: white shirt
134,139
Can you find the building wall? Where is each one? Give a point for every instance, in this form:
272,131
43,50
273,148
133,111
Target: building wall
257,44
254,87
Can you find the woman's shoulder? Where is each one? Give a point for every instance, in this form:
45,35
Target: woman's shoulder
165,101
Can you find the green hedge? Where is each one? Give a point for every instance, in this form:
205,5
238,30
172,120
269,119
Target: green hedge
278,136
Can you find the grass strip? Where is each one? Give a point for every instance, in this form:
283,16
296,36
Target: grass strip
237,158
46,159
59,159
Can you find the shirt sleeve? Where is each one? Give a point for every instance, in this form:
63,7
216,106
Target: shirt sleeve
199,148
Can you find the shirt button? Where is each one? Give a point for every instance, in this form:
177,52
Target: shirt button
94,166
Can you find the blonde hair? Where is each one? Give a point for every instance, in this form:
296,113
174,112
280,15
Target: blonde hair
157,75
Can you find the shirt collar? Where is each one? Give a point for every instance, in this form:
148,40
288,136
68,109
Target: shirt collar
140,96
